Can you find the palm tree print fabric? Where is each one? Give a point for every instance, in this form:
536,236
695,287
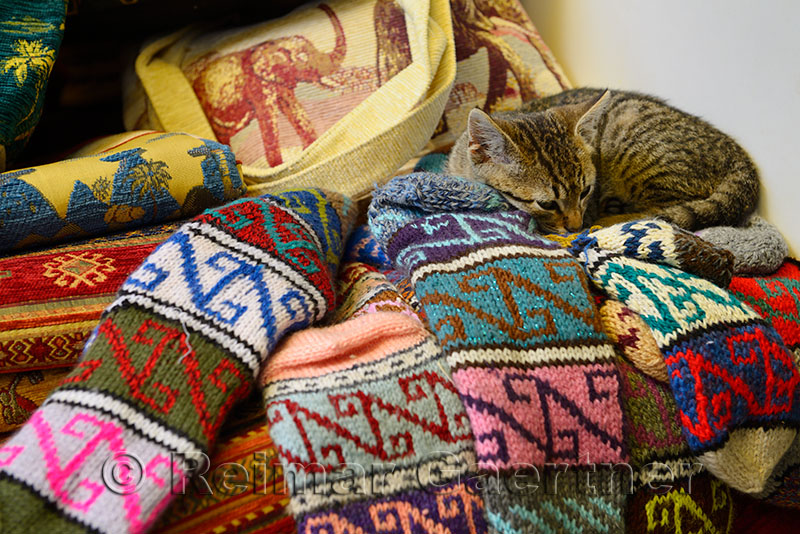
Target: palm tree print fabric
147,178
30,34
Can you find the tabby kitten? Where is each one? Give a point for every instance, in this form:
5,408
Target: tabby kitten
584,153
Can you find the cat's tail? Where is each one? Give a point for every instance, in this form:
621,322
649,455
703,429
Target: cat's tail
735,197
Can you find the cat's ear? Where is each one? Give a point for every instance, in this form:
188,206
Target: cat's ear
487,141
589,114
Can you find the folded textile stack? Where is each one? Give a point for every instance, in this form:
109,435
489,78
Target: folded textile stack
30,35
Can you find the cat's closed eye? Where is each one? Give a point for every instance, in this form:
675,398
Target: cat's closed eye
550,205
586,191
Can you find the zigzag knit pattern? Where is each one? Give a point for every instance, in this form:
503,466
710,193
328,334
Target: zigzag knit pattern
531,364
368,424
181,344
776,297
733,379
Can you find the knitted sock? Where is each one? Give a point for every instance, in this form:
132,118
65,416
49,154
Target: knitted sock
661,242
757,246
733,379
689,506
368,423
529,358
633,338
776,297
410,197
181,344
673,492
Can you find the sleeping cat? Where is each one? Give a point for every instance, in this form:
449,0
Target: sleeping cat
584,153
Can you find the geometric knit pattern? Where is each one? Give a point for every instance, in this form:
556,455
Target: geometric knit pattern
170,357
515,320
660,242
569,501
653,424
633,338
776,297
702,504
364,409
30,35
730,373
366,419
416,195
520,332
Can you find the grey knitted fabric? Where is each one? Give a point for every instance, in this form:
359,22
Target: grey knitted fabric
758,247
406,198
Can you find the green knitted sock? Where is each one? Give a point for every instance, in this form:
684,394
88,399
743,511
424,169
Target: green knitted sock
184,340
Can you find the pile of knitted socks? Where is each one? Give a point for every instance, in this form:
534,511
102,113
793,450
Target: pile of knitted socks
368,424
735,382
529,359
184,340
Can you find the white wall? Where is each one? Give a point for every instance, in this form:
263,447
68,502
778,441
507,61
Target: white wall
736,63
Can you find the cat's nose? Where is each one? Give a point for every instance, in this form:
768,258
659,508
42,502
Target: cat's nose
573,221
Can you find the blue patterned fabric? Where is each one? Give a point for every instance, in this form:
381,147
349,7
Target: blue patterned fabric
147,179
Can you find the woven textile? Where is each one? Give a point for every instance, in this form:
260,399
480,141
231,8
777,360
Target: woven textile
733,379
53,298
182,343
146,178
30,35
22,392
307,99
521,334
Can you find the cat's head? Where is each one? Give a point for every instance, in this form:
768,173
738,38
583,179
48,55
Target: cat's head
541,161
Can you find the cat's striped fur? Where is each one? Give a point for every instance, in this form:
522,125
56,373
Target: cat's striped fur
587,153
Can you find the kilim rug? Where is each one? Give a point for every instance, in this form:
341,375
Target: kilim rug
51,299
24,391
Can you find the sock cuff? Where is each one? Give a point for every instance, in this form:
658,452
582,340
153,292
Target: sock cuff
319,351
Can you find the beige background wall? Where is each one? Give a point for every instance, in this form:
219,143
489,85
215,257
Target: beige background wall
736,63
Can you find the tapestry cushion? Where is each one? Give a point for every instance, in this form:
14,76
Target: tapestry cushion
30,34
